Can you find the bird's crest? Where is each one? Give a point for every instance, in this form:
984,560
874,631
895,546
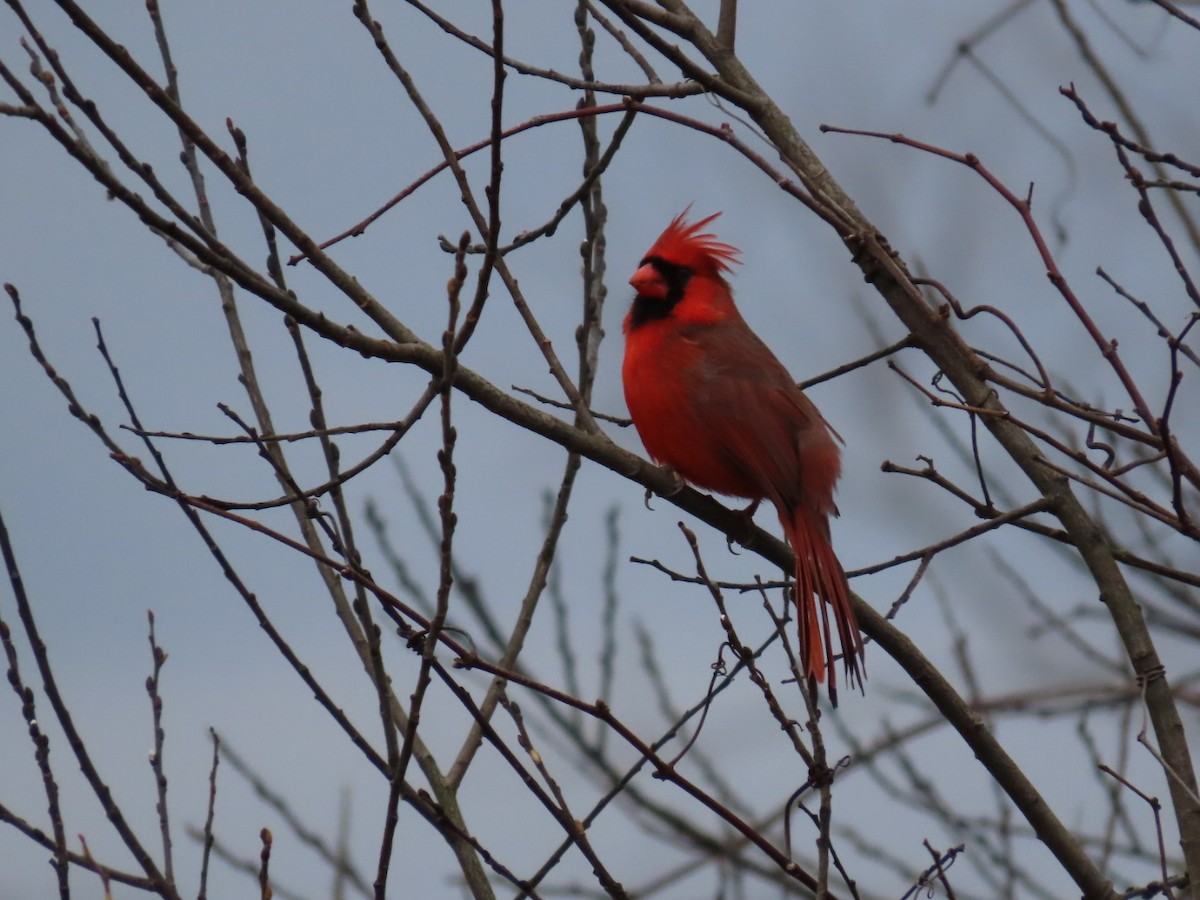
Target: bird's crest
686,244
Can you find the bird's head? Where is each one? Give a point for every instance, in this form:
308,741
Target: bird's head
682,252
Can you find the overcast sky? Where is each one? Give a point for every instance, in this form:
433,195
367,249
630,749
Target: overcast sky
331,137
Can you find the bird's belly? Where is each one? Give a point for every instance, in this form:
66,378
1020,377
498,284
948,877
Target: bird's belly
679,437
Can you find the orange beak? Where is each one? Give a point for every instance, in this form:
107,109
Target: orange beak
648,281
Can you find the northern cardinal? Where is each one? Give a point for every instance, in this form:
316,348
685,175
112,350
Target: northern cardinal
712,402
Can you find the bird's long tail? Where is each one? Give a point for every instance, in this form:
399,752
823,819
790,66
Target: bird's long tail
819,574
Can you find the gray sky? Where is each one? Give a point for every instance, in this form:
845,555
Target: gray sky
331,137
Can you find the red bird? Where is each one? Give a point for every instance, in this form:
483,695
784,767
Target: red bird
712,402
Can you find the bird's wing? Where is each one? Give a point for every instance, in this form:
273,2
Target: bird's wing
762,422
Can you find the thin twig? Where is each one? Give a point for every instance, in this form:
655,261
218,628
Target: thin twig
159,658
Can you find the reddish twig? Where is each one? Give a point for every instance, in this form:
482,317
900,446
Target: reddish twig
1156,808
1024,209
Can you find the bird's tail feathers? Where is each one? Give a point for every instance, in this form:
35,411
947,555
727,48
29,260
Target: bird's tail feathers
819,574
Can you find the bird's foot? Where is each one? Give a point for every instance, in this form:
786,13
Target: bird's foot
679,485
743,533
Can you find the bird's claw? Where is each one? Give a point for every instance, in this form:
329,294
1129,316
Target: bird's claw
680,484
743,533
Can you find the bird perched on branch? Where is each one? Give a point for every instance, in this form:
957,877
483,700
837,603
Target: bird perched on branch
712,402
